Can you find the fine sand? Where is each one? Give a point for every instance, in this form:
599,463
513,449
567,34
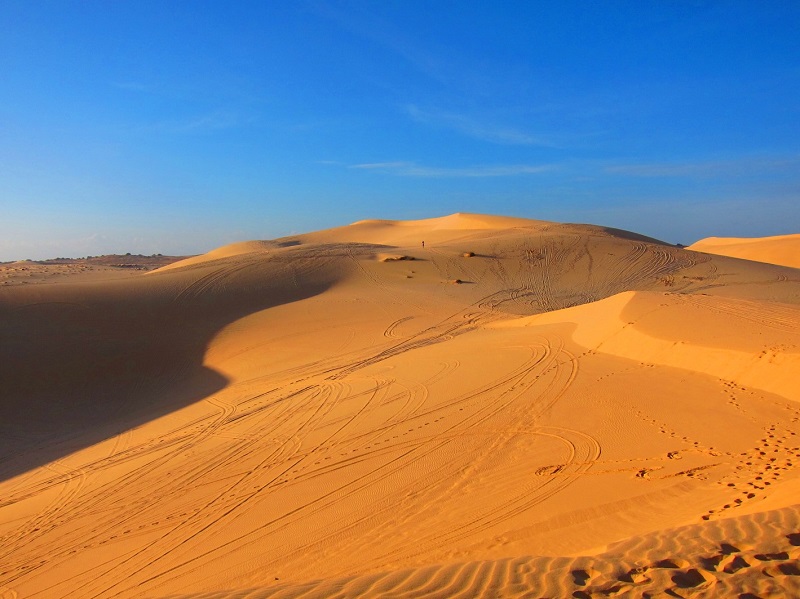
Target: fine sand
781,249
517,409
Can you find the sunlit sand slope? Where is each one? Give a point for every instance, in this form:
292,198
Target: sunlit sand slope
746,557
782,249
347,412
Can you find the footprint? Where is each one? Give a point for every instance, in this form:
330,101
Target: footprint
712,562
609,591
781,570
694,579
673,563
732,563
727,549
770,557
583,577
636,575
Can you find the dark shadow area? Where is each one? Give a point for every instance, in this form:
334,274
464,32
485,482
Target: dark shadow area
728,549
403,258
768,557
738,563
711,562
580,577
789,569
82,363
689,579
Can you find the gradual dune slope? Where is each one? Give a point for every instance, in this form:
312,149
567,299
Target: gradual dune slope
781,249
520,408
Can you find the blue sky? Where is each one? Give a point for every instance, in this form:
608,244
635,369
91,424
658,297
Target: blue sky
175,127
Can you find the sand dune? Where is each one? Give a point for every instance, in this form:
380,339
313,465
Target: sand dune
697,560
590,413
781,249
662,329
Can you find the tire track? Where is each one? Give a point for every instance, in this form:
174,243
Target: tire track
391,330
774,316
370,479
376,476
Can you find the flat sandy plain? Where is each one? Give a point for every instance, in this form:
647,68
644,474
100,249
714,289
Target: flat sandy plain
518,409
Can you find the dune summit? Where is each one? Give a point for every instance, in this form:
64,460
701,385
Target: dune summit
589,413
781,249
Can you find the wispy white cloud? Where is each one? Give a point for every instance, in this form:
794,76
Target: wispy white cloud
383,165
473,128
211,122
218,120
132,86
411,169
707,168
365,22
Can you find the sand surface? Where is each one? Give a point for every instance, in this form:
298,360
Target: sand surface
91,268
518,409
781,249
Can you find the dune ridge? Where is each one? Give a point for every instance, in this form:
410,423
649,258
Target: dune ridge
301,417
780,249
759,364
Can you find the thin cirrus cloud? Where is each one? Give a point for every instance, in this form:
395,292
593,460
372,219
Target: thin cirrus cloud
209,122
741,166
132,86
473,128
384,34
213,121
411,169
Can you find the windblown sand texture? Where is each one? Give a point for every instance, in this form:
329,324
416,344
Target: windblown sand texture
587,413
781,249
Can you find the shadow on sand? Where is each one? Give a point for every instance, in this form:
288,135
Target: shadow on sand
79,365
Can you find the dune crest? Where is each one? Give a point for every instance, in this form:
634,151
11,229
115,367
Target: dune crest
226,251
588,413
780,249
662,329
459,220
